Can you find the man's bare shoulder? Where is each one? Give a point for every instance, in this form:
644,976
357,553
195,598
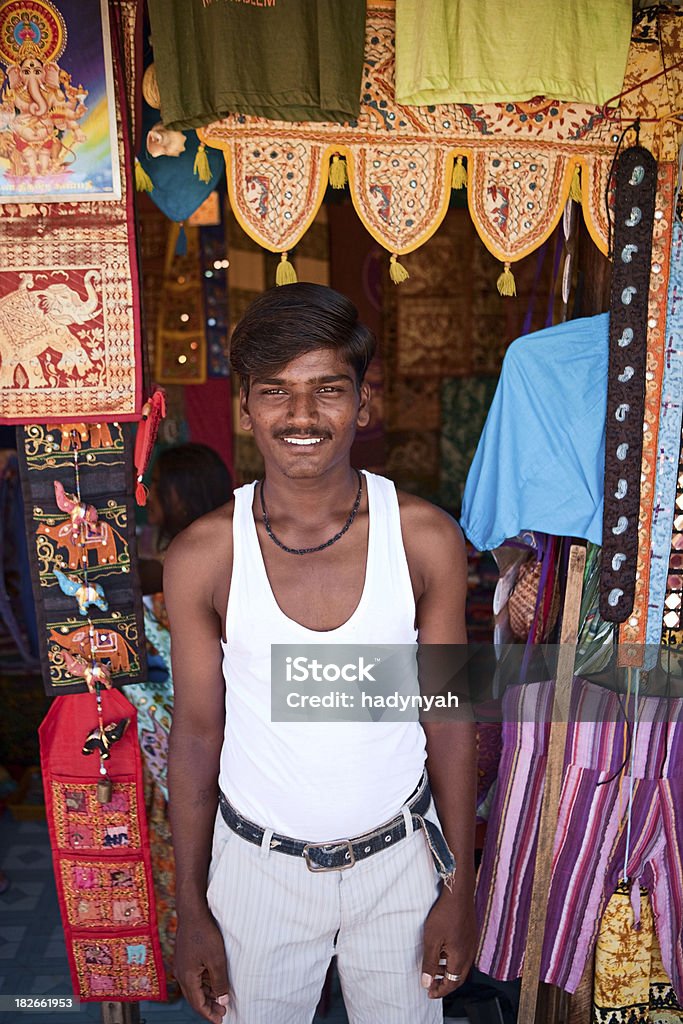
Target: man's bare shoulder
427,523
433,541
204,548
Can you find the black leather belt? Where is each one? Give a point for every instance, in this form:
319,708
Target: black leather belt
343,853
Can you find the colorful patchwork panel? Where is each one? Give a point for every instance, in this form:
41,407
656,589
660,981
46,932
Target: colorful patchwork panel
105,892
101,853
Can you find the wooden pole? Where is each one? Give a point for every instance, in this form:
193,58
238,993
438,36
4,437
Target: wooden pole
120,1013
553,785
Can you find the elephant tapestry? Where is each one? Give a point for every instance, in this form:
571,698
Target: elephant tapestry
57,114
52,326
83,567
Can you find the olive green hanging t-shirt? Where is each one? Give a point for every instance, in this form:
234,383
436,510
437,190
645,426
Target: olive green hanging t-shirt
287,60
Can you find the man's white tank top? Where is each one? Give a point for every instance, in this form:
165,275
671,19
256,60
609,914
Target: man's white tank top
315,780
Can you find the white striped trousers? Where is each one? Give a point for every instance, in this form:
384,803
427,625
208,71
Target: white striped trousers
282,924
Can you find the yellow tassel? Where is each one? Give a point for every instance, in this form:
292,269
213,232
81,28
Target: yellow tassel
459,179
506,281
143,182
397,272
285,273
575,187
201,164
338,176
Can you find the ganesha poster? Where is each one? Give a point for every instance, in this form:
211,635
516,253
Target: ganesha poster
58,136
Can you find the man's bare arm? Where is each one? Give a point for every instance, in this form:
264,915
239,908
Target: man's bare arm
194,756
440,554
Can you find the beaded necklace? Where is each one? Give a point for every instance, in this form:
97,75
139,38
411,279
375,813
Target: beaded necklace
320,547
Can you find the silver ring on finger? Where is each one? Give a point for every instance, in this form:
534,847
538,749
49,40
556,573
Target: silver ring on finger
452,977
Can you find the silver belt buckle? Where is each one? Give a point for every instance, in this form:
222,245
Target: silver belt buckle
316,868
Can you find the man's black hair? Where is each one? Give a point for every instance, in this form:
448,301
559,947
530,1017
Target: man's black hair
288,321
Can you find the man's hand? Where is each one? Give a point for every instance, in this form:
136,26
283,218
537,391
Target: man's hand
201,967
450,934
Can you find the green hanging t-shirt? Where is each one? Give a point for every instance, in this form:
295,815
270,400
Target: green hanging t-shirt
286,60
494,51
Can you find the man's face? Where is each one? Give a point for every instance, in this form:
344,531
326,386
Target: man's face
304,418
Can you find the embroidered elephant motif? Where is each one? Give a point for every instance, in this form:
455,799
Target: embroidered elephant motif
102,741
94,675
100,538
36,327
79,512
77,434
107,645
85,593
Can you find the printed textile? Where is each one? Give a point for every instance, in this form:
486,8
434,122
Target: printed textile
465,403
540,460
279,59
61,585
631,985
668,447
454,51
153,701
69,307
653,82
153,228
521,158
100,853
618,815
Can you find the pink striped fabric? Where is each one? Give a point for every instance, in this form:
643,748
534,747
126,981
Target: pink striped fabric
591,838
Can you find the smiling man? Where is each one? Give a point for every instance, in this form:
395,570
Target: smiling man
296,842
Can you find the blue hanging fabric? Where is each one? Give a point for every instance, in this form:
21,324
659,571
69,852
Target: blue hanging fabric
177,189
